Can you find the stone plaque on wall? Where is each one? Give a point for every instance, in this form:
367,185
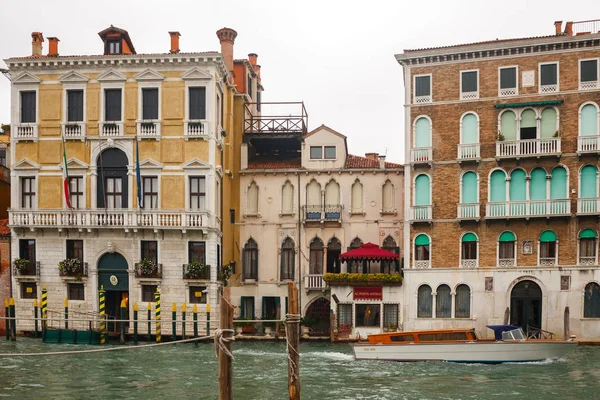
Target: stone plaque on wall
528,78
527,247
489,284
565,282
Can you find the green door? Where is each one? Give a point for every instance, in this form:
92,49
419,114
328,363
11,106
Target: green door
469,129
422,191
112,273
422,133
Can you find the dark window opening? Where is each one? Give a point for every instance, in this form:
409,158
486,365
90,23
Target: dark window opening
422,86
112,104
114,192
508,78
469,82
150,191
74,105
334,249
148,293
113,166
589,70
250,260
198,294
149,103
548,250
232,216
112,46
197,103
28,107
76,291
197,252
469,250
506,250
27,192
76,192
548,74
368,315
149,250
197,193
75,249
528,133
28,290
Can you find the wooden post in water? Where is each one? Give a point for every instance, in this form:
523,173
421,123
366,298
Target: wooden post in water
224,347
35,316
567,330
292,331
7,315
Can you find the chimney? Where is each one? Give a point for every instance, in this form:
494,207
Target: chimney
569,28
257,70
558,27
227,39
252,57
174,42
36,44
382,162
372,156
53,46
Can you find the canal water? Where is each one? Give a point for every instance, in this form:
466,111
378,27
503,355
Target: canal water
185,371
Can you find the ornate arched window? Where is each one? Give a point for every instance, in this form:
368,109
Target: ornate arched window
250,260
288,260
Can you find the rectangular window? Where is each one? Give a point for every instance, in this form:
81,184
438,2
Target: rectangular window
27,250
506,250
390,316
548,250
344,314
198,294
74,105
508,78
149,103
367,315
75,249
197,103
197,193
469,84
113,47
330,152
258,100
76,192
28,290
232,216
148,293
112,105
75,291
548,77
149,250
587,247
469,250
316,152
247,307
3,157
588,74
28,107
197,252
114,192
150,191
422,252
423,86
28,192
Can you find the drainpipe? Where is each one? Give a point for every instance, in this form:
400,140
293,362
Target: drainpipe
299,251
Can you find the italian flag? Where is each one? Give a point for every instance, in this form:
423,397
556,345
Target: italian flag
66,175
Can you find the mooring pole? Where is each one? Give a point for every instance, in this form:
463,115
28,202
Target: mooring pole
35,316
66,313
223,342
195,324
102,294
157,312
122,318
292,331
174,322
135,323
11,305
149,322
183,311
7,315
44,311
208,320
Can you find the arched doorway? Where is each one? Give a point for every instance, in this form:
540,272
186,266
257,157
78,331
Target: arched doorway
112,185
114,278
526,305
318,314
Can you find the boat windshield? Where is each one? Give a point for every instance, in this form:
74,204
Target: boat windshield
515,334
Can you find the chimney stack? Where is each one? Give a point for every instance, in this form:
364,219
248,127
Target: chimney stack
372,156
558,27
53,46
257,70
382,162
569,28
253,57
227,39
36,44
174,42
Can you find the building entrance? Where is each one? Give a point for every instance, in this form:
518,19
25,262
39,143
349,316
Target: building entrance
113,277
526,305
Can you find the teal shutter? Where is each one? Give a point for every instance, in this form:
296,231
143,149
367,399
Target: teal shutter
498,186
528,119
263,308
252,312
548,124
422,191
422,240
469,187
422,133
243,307
558,184
469,237
589,120
469,129
507,237
537,185
508,125
548,236
517,185
588,182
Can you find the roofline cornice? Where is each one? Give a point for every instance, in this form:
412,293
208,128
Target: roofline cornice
349,171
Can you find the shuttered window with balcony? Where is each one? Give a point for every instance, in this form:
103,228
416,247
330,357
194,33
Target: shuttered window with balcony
149,103
74,105
197,103
28,107
422,132
588,120
422,248
112,104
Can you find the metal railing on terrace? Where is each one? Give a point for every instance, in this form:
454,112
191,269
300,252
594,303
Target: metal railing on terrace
528,208
276,118
528,148
589,26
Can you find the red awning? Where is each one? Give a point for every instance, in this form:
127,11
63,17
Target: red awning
369,251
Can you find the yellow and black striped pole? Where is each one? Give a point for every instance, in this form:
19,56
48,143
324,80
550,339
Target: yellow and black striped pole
7,315
195,323
135,323
35,316
101,309
174,322
149,321
207,319
157,311
13,316
44,311
66,313
183,312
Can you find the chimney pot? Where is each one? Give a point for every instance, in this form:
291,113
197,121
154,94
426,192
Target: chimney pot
257,70
569,28
381,162
174,42
36,43
227,39
558,27
252,57
53,46
372,156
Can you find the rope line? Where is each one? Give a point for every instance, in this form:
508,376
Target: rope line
221,340
57,353
292,319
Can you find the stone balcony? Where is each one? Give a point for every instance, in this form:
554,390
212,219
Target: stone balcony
26,131
314,282
111,129
588,144
73,130
528,209
589,206
148,129
528,148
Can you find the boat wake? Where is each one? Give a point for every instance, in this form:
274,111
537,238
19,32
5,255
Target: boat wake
336,356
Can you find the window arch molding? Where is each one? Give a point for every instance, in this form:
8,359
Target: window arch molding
250,260
330,191
388,197
579,175
547,244
443,300
478,126
588,310
502,255
540,118
586,254
522,110
421,236
414,184
462,175
414,130
506,180
468,262
252,196
287,259
287,205
579,114
357,194
462,313
424,303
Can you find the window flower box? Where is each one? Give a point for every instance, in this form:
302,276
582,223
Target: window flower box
148,269
195,270
346,279
72,267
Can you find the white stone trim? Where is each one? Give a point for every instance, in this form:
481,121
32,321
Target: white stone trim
548,89
468,95
422,99
460,259
597,116
508,91
589,86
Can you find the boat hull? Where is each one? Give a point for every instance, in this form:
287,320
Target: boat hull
469,352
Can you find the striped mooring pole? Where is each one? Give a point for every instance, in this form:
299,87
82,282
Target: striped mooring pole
35,316
11,304
135,323
195,324
174,322
101,309
207,319
66,313
183,312
7,315
149,322
123,315
157,312
44,311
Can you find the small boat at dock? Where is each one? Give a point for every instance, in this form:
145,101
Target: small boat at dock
461,345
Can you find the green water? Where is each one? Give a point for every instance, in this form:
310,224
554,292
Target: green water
260,372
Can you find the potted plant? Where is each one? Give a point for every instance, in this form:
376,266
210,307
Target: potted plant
195,270
246,327
147,268
390,328
21,265
500,137
225,273
70,267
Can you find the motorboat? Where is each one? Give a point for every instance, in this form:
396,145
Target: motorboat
461,345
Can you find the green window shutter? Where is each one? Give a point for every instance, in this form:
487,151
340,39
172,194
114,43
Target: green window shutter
589,120
548,125
469,129
422,191
422,133
588,182
422,240
508,125
558,184
243,307
528,119
548,236
469,237
587,234
498,186
537,185
517,185
264,308
469,187
252,312
507,237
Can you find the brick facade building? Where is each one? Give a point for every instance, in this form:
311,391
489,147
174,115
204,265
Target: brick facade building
503,140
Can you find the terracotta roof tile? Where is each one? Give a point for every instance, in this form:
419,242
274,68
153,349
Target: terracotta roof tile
4,229
112,55
353,161
275,163
479,43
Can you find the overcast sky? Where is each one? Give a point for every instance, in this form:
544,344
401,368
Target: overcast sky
336,56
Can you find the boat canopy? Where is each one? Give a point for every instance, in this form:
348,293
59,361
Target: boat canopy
498,329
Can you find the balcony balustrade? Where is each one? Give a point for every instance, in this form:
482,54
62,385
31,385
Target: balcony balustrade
506,262
528,148
314,282
589,206
422,264
148,129
588,144
195,129
26,131
31,270
111,129
327,213
528,209
73,130
420,213
469,152
471,263
587,260
467,211
547,261
421,155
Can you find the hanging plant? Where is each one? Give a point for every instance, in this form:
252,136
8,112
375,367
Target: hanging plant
147,268
21,265
70,267
195,270
225,273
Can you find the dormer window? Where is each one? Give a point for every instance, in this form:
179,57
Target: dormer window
322,152
330,152
116,41
113,47
316,152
